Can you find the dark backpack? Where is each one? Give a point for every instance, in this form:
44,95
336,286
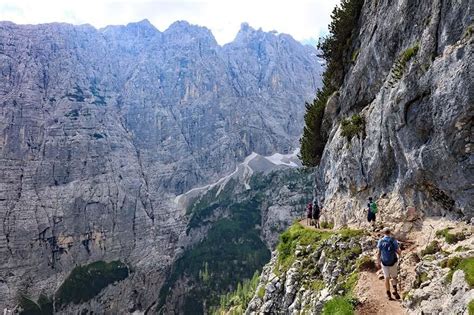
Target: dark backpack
388,252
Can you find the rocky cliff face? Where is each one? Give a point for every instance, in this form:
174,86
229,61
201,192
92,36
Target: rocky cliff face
411,85
411,82
101,129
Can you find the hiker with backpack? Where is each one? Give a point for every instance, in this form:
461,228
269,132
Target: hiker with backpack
387,258
309,214
316,214
372,210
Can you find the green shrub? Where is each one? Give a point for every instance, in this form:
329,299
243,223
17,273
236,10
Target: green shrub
399,67
327,225
85,282
420,278
409,53
261,292
355,54
464,264
431,249
366,263
317,285
352,127
338,306
467,265
461,249
454,238
451,238
470,307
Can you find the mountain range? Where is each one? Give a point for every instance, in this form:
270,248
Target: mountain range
101,130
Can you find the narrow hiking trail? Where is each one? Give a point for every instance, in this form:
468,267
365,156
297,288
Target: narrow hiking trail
370,288
370,291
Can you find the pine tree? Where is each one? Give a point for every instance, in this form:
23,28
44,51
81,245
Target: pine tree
336,49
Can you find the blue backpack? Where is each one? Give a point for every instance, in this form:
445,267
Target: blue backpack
388,251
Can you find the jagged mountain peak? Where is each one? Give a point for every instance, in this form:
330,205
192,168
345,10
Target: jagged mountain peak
184,32
140,29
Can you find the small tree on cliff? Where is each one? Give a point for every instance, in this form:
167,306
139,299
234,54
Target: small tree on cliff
336,49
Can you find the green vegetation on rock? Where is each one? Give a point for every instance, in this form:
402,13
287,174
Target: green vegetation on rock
338,306
85,282
365,263
451,238
461,249
327,225
399,67
352,127
470,307
44,306
431,248
464,264
297,235
237,301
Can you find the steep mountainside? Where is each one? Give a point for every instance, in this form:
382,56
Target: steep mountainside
101,129
397,125
401,123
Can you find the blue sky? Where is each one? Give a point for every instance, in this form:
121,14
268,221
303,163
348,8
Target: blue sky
302,19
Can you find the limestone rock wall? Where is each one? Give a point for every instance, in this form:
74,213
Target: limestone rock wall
101,129
416,146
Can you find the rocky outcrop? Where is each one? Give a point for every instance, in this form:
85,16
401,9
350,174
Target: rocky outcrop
323,265
411,83
101,129
443,281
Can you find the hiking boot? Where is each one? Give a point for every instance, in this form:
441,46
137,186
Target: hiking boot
389,295
396,295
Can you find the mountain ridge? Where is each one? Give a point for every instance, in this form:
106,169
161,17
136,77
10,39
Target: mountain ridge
101,130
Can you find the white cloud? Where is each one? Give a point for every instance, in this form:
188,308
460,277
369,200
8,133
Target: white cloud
300,18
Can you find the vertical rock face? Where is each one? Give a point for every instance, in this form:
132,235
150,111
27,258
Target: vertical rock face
411,81
100,129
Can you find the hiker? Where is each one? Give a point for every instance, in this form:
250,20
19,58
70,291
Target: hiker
309,213
371,211
316,214
387,258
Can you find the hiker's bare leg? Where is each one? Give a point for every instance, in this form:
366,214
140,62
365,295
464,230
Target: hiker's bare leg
394,283
395,290
387,283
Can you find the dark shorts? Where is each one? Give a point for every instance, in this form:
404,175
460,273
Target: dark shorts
309,216
371,216
316,215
